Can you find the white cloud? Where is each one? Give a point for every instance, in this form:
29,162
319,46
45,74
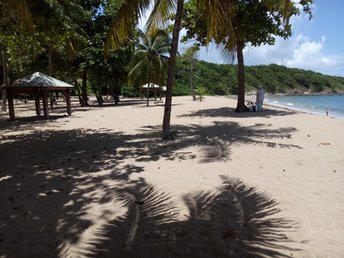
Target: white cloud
298,52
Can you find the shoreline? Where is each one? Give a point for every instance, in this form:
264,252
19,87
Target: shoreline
314,111
302,93
250,96
303,111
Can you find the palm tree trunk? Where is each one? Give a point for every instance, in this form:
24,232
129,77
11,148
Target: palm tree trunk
171,68
84,87
99,92
149,81
241,79
193,94
148,85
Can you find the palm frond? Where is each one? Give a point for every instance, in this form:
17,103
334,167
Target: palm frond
219,20
286,11
138,75
22,8
161,44
150,60
128,14
161,11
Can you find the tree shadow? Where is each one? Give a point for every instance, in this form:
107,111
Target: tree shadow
46,205
234,221
229,112
60,187
31,120
30,123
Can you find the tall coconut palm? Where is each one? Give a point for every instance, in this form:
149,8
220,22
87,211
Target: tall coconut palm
225,21
128,14
150,59
221,27
166,134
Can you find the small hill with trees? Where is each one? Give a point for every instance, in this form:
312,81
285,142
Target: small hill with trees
221,79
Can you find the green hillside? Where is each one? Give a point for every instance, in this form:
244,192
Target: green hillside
221,79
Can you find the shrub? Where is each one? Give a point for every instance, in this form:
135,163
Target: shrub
201,91
129,92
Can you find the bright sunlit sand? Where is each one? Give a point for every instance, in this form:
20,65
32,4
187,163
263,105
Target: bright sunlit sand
102,183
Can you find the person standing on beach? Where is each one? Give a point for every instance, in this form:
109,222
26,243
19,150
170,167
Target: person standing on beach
260,98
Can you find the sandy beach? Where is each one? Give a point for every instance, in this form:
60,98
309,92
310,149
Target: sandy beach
102,183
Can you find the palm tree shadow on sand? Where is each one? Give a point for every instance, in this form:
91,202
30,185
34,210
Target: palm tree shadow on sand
213,141
69,192
234,221
229,112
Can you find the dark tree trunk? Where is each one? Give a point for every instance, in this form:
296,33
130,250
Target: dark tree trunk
77,88
50,60
116,92
149,81
171,68
5,75
148,94
50,72
84,88
241,107
99,93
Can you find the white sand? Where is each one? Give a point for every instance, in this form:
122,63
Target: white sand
102,183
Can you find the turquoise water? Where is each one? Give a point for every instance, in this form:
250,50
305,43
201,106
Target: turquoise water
311,104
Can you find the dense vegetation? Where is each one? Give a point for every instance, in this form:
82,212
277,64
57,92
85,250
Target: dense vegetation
70,45
221,79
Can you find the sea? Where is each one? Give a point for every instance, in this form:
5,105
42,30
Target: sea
315,104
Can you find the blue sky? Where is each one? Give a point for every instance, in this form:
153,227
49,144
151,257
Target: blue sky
316,44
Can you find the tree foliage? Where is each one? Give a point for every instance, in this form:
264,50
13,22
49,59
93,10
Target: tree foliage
234,24
65,38
221,79
150,59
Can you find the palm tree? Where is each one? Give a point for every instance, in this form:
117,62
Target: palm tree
224,25
150,59
221,27
127,15
166,134
190,56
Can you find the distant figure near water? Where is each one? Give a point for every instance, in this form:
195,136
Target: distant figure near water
260,98
327,110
